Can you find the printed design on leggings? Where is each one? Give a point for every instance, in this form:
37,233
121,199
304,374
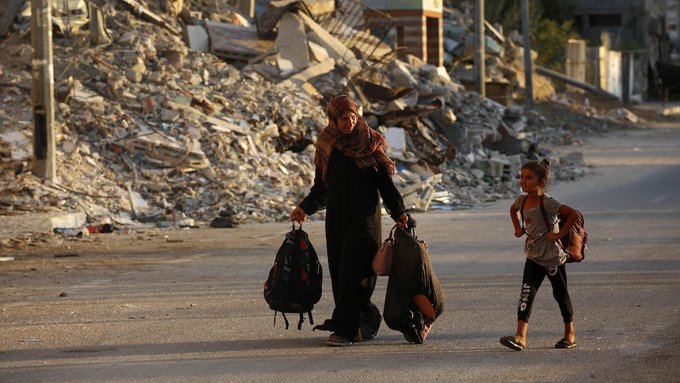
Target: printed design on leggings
552,270
524,297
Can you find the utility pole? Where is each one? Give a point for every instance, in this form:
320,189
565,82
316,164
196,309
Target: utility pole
42,91
480,68
526,33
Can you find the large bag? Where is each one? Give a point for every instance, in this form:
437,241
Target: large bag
382,261
411,274
294,282
574,243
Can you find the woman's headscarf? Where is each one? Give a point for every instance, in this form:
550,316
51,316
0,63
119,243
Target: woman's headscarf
364,145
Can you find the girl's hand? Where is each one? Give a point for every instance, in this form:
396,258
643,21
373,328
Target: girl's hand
519,232
298,215
553,236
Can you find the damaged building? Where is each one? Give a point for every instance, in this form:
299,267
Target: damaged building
204,116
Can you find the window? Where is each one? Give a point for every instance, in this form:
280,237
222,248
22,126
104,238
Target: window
606,20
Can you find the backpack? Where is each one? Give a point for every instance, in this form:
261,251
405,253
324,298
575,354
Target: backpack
411,274
574,242
294,282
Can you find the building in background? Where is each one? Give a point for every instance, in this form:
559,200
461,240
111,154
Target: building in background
636,29
419,26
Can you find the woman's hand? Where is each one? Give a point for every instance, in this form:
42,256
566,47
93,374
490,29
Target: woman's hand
298,215
519,232
406,222
403,221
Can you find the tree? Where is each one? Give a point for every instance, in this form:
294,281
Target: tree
549,38
551,23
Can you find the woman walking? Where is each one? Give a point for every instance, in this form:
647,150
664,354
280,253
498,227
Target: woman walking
352,173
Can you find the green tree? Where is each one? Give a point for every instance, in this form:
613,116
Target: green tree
550,22
549,39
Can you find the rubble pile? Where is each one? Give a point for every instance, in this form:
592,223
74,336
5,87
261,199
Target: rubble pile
152,129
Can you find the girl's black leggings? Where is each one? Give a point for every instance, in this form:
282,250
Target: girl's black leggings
531,281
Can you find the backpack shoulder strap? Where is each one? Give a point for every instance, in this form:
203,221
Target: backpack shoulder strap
544,213
545,220
521,210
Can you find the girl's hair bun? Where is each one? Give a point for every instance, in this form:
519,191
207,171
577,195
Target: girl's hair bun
546,162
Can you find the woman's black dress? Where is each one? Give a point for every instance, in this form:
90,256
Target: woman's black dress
351,197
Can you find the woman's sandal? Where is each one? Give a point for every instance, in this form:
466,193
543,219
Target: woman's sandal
565,343
509,341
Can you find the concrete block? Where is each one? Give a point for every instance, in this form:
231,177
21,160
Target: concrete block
197,38
291,41
66,221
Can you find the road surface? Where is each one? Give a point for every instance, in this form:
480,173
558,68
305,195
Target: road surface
190,309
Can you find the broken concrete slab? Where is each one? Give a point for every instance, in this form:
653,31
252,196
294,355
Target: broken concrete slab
167,152
300,79
197,38
291,41
144,12
402,76
317,52
99,35
235,42
333,46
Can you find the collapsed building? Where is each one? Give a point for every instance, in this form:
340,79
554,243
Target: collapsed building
170,115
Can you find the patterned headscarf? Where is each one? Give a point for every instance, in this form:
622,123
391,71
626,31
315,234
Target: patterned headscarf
364,145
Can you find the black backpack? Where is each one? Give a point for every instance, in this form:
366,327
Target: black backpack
294,282
574,243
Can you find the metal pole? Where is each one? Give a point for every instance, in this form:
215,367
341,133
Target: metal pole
570,81
526,32
42,91
479,69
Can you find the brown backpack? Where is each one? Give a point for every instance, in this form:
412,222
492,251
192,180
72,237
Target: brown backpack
574,243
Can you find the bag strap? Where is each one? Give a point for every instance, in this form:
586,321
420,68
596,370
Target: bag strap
301,321
543,212
284,318
394,228
410,230
521,212
545,220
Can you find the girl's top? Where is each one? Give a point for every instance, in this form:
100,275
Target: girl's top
537,247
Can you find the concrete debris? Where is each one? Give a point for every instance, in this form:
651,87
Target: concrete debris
69,15
99,35
209,126
8,12
622,115
234,42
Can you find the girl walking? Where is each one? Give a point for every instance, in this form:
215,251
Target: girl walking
545,257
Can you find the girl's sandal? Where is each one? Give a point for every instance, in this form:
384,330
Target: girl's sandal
509,341
565,343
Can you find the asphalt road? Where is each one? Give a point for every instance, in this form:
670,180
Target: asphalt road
195,312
